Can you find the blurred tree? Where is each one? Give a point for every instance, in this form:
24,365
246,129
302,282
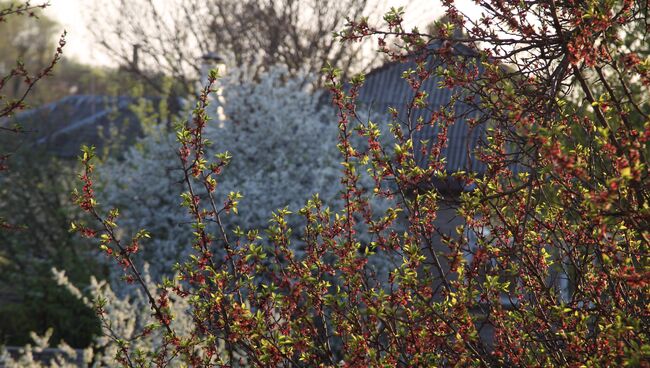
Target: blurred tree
38,200
252,34
34,198
274,115
32,43
19,74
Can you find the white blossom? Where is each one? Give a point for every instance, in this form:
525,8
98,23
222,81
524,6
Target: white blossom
283,144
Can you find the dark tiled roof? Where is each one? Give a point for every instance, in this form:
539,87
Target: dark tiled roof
61,127
384,87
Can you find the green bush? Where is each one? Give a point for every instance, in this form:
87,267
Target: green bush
38,205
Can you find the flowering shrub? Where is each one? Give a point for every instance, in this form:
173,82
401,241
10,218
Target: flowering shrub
555,273
283,148
66,357
123,321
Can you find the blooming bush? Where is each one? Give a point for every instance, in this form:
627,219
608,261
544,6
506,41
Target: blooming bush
564,196
66,357
125,321
283,147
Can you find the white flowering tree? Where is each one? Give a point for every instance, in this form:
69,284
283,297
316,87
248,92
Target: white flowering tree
283,145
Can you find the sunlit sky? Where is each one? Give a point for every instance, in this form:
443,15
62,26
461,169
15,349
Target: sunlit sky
73,16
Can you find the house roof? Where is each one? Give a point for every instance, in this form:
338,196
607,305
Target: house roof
384,87
61,127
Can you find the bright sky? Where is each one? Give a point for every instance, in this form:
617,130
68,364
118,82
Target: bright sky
73,16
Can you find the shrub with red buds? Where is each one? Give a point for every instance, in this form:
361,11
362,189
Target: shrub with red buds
545,268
